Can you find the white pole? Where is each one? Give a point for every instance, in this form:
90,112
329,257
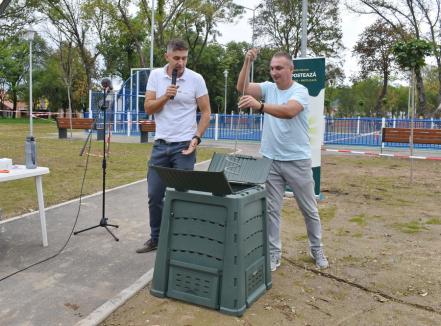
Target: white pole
216,126
30,89
90,103
152,36
412,121
115,101
252,45
231,121
225,100
304,27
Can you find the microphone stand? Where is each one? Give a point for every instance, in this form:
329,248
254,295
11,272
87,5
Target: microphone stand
103,222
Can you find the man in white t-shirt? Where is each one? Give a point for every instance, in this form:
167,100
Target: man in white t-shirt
177,131
285,140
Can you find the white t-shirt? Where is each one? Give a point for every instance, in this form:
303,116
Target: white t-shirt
177,120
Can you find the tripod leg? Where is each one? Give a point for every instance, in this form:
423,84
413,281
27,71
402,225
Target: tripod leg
85,143
92,227
116,239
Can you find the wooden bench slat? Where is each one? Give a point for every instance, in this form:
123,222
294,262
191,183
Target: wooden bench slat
420,135
77,123
147,125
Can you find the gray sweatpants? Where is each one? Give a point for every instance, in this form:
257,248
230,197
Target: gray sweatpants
298,175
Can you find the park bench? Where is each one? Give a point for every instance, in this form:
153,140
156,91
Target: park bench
146,126
420,136
77,123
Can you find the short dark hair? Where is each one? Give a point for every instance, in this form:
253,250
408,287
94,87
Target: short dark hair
177,45
283,54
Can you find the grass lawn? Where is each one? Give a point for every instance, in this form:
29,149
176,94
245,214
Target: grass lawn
127,163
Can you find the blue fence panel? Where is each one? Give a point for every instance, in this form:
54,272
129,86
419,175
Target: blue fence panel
353,131
367,131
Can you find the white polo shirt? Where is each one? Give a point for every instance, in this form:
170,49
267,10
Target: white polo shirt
177,120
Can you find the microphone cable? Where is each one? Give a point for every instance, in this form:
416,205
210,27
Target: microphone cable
73,227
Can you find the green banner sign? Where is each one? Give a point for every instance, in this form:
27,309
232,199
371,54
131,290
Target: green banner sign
310,72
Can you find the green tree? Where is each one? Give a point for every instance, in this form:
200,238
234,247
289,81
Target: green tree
122,36
17,16
14,65
68,16
374,49
279,22
13,57
199,20
411,55
409,19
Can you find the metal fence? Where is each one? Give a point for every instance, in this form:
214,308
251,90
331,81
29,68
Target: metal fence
367,131
338,131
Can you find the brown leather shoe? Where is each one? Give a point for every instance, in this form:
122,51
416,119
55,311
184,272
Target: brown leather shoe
150,245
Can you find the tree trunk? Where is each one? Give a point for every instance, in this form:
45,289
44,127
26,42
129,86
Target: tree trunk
14,103
421,93
382,94
438,97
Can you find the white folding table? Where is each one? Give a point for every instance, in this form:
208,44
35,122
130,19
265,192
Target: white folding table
20,172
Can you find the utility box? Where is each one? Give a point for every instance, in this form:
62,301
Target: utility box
213,244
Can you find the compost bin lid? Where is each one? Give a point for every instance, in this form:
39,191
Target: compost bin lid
241,168
183,180
223,169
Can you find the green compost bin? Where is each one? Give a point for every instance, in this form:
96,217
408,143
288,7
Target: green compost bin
213,244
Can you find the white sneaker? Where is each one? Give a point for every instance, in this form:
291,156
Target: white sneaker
275,262
319,257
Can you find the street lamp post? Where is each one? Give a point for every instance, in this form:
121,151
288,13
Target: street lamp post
304,28
152,35
225,100
30,153
30,37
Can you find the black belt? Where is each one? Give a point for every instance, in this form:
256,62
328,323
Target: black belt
162,141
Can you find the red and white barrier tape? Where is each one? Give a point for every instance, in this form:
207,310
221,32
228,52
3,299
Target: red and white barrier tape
431,158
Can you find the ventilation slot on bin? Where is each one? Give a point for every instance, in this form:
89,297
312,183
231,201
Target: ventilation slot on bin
255,280
195,283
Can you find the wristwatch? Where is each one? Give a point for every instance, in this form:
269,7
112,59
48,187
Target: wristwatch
198,138
262,106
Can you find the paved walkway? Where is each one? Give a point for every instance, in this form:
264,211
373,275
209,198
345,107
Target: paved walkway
92,269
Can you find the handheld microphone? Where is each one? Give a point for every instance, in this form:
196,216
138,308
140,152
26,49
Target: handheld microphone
107,84
174,76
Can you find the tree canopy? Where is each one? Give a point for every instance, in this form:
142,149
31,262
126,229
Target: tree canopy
82,41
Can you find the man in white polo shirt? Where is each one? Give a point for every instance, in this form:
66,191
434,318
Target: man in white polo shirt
177,131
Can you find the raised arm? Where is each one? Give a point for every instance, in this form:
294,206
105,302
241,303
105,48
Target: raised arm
243,84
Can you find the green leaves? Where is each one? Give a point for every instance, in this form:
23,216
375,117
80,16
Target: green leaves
411,54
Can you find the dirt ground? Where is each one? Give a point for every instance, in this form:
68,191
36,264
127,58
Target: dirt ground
382,236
